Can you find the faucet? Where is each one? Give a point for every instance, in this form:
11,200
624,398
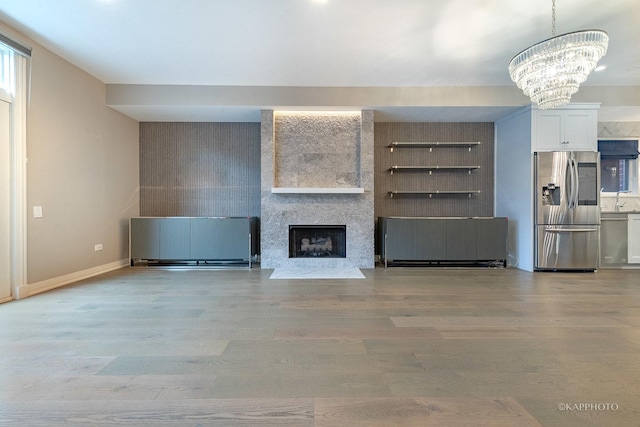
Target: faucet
618,205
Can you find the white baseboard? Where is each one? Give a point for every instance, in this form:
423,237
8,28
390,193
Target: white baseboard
56,282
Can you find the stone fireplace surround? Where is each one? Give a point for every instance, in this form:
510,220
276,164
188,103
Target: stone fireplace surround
317,168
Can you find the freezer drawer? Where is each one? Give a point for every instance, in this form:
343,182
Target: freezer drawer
567,247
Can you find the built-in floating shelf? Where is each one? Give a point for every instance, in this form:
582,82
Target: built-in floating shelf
393,169
431,145
433,193
317,190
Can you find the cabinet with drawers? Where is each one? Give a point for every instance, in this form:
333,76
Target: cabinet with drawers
201,240
443,240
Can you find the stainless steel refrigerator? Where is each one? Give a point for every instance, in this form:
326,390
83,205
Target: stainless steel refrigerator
567,216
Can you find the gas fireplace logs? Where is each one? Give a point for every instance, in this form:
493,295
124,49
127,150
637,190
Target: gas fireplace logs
316,246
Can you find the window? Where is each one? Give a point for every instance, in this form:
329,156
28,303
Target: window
619,165
7,69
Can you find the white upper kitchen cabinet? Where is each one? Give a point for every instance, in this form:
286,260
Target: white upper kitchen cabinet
574,129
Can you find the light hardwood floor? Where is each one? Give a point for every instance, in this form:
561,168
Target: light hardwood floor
402,347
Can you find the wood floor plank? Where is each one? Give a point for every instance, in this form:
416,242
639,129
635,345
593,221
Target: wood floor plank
94,347
162,413
443,411
255,363
354,333
121,387
269,384
496,322
272,349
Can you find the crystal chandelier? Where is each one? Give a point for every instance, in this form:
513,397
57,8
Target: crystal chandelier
551,71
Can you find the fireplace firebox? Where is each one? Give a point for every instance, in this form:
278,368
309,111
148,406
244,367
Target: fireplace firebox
326,241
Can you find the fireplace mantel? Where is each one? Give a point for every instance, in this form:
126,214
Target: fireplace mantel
317,190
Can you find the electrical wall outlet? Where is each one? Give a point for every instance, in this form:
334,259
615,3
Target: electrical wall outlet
37,211
98,247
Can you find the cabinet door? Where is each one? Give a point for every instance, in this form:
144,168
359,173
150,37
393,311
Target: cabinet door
220,239
430,239
548,133
492,239
415,239
565,130
634,239
175,239
144,236
461,240
399,239
613,241
580,130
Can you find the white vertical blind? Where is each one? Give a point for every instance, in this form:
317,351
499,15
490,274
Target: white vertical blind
14,76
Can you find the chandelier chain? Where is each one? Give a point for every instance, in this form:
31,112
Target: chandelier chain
553,18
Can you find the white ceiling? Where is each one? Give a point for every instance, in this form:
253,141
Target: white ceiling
314,43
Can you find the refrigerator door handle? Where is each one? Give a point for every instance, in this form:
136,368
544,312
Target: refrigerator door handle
568,230
576,183
568,184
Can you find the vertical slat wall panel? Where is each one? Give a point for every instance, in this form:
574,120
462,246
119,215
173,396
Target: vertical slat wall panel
442,205
213,169
199,169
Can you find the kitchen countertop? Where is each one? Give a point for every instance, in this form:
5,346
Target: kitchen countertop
619,212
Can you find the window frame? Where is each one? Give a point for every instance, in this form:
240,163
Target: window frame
634,178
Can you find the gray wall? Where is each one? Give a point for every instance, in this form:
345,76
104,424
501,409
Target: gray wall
442,205
82,169
200,169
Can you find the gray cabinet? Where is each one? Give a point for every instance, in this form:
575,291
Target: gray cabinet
172,239
442,240
613,240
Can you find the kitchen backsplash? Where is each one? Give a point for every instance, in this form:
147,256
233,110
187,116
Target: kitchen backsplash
608,203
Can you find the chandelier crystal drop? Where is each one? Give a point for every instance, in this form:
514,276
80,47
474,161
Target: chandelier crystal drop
551,71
